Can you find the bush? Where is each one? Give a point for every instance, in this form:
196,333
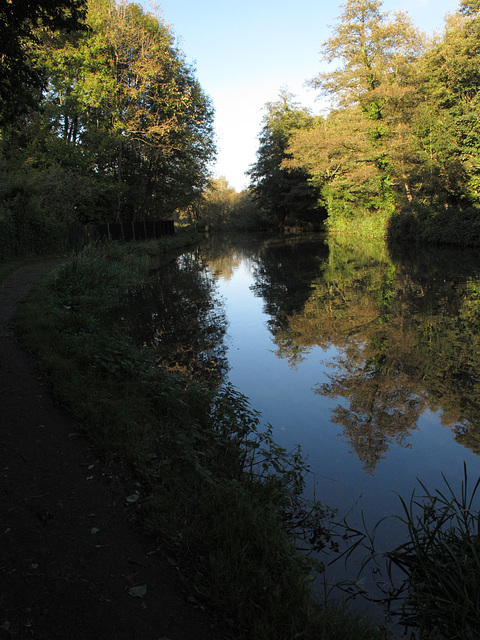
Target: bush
429,226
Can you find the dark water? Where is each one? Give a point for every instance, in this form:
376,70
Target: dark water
370,361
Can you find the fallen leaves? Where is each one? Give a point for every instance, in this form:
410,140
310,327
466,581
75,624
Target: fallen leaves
138,592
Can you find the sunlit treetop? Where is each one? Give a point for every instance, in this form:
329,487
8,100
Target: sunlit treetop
21,23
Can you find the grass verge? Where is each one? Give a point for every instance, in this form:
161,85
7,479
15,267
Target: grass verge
214,485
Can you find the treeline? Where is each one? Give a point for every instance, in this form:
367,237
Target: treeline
399,148
221,208
102,120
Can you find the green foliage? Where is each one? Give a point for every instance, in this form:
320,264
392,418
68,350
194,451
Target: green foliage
21,26
374,51
122,129
217,205
25,226
284,193
441,561
404,330
248,216
125,99
350,153
402,134
221,208
454,90
426,225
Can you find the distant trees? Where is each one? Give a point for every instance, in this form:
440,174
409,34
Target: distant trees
220,207
217,205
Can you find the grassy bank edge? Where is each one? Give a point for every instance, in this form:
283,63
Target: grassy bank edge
193,453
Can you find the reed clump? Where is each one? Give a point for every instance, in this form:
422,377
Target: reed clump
440,562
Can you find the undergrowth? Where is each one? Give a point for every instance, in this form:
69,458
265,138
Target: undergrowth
224,496
440,561
426,225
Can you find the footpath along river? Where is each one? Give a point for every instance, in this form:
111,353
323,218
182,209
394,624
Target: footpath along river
71,553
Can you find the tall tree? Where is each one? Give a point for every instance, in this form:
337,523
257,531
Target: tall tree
371,92
286,194
22,23
373,51
123,97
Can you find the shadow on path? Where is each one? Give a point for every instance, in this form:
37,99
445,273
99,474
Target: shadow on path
70,551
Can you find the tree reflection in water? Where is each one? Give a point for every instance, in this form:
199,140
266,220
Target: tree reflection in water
280,280
383,405
406,331
179,314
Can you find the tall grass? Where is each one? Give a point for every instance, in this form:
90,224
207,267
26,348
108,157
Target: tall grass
440,595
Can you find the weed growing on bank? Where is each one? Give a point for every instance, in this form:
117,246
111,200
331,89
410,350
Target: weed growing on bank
214,484
440,562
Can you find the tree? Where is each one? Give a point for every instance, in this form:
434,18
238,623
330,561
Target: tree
285,193
451,75
121,130
470,7
372,93
218,203
374,52
22,24
337,153
129,108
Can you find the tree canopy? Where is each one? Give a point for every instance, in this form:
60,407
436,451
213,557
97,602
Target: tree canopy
22,24
400,138
121,128
285,193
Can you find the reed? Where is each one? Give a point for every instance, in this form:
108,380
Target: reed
440,562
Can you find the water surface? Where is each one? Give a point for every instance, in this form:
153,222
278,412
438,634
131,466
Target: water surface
367,359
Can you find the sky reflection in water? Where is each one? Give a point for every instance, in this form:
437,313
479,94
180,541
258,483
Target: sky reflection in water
368,361
371,451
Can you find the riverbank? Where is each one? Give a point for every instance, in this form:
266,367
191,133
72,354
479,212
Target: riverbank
74,562
191,455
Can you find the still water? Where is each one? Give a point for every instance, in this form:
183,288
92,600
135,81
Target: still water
367,359
370,362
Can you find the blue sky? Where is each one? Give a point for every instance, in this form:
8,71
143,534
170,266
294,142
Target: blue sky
246,51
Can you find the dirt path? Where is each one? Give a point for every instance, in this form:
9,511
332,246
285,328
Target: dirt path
70,551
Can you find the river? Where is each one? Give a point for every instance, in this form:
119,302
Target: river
369,359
